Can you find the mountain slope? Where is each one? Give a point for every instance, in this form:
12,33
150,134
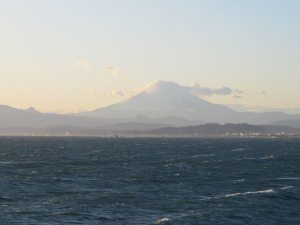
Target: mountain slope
161,103
167,99
164,99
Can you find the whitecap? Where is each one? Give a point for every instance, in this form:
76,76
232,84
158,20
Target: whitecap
267,157
4,163
234,194
259,192
241,180
250,192
287,187
239,193
203,155
289,178
162,220
238,149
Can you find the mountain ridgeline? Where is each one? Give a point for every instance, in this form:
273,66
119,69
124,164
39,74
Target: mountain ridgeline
161,105
164,99
161,99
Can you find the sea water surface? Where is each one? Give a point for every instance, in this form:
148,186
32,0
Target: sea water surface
84,180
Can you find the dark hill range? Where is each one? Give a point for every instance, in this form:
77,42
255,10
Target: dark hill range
227,129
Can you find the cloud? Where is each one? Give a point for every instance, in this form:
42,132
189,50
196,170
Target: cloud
235,97
239,91
117,93
197,89
92,92
115,70
261,92
85,66
114,93
82,64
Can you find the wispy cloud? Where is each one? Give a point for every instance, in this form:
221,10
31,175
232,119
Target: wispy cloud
239,91
116,71
261,92
85,66
235,97
92,92
197,89
115,93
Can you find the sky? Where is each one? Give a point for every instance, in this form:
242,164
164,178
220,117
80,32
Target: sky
77,55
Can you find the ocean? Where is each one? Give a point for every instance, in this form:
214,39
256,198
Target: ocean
89,180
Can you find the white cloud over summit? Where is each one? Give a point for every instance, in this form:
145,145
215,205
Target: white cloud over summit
117,93
199,90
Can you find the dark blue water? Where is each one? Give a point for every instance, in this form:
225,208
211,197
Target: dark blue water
49,180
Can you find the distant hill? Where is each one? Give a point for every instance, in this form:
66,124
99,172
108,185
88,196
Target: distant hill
156,130
227,129
273,129
209,129
17,118
291,123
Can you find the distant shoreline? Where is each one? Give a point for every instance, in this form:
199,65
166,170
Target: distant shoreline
154,137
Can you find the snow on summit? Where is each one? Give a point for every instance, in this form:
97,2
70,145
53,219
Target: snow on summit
161,99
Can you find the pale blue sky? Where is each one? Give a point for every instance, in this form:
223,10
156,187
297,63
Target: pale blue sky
68,55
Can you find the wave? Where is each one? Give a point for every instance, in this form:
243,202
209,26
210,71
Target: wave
191,213
267,157
287,187
204,155
241,180
71,213
240,193
216,197
238,149
4,163
251,192
288,178
162,220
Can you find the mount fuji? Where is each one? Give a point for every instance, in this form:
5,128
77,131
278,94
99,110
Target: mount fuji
164,99
160,104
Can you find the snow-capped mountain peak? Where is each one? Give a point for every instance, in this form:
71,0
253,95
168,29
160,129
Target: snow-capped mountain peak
160,99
